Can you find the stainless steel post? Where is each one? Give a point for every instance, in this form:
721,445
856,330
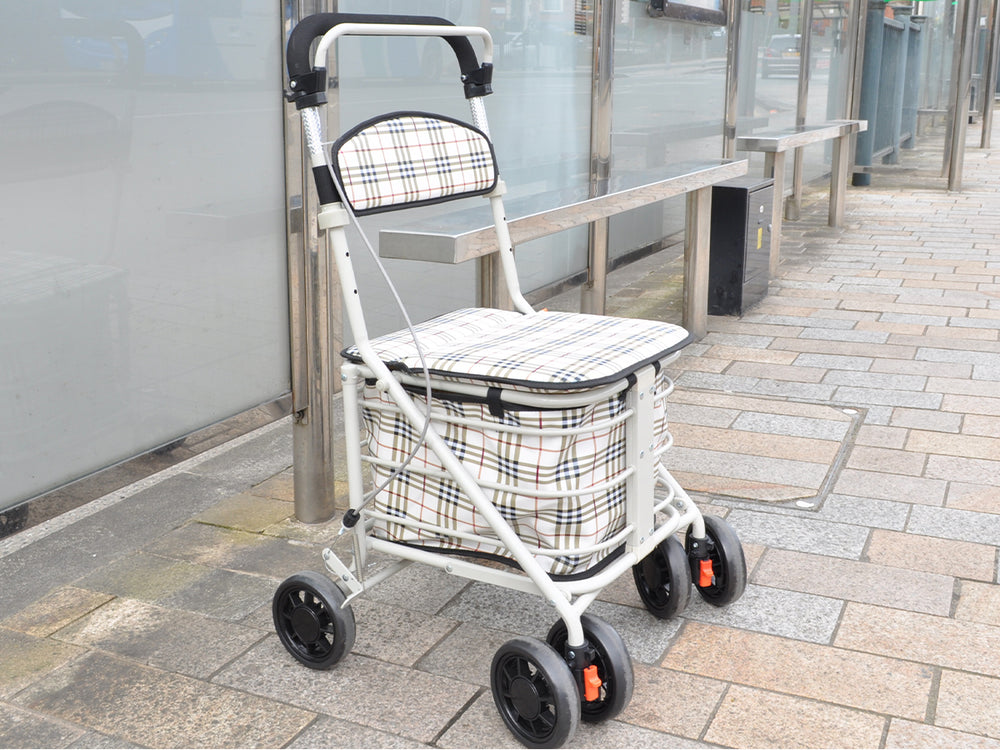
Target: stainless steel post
794,204
314,303
593,294
969,20
990,82
911,92
856,23
733,21
698,225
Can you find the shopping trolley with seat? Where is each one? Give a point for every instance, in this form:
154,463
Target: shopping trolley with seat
532,438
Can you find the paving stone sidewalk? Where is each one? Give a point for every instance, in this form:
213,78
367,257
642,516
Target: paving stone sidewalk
848,427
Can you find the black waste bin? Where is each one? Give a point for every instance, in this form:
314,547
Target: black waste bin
739,263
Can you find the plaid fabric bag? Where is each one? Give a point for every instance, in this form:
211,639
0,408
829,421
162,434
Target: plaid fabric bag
551,473
558,496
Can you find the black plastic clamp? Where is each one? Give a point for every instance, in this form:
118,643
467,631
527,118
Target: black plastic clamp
307,89
478,82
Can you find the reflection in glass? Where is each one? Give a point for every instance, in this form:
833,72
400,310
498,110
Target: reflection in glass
539,116
142,275
669,107
770,63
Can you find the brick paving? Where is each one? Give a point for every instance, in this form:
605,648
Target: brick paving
848,427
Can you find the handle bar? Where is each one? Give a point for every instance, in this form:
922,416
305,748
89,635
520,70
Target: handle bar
307,83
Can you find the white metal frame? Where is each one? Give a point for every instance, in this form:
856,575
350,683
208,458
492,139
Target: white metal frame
641,534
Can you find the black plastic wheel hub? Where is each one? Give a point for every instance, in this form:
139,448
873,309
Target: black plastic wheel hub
306,624
524,698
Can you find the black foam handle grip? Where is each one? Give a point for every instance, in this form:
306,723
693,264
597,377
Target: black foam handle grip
311,27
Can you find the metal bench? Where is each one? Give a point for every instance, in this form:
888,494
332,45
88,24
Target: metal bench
467,235
776,143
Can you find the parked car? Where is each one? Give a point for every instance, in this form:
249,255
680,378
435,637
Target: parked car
781,55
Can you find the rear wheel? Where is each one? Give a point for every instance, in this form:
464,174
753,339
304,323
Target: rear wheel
614,667
729,565
663,579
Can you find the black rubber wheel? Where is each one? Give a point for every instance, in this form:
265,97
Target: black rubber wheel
311,620
535,693
663,579
729,566
614,667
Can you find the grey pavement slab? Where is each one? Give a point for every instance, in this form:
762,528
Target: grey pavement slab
756,468
480,726
780,424
20,728
804,617
466,653
863,511
104,537
174,640
803,533
340,733
951,523
222,594
851,580
367,691
397,635
27,658
156,708
257,554
419,588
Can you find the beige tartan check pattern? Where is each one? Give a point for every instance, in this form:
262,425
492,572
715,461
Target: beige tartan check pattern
542,351
550,461
412,158
547,351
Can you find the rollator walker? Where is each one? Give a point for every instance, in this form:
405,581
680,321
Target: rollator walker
535,439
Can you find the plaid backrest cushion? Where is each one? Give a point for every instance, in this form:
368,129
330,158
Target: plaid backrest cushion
412,158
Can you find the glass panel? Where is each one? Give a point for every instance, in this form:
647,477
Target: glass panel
143,289
770,61
939,46
669,106
539,122
828,79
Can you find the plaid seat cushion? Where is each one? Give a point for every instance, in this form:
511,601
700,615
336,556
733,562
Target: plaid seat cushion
543,351
412,158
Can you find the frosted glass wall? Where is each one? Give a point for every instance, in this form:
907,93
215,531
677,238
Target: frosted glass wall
668,108
143,285
539,117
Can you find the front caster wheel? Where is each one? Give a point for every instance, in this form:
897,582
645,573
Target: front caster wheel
311,621
663,579
614,666
729,566
535,693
